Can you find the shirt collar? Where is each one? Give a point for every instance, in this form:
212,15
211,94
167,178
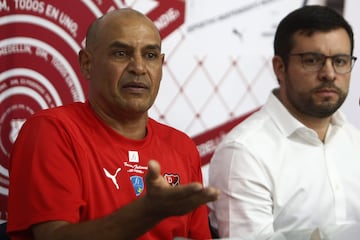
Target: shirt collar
286,122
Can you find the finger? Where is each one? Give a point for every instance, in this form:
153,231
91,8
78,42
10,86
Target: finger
186,190
191,202
153,170
193,192
197,198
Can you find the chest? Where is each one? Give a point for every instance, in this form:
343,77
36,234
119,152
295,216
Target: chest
113,174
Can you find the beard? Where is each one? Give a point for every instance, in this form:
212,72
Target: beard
304,102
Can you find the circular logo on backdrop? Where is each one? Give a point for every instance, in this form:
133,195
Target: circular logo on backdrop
38,59
38,64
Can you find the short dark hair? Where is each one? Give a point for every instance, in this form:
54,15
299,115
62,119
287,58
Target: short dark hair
308,19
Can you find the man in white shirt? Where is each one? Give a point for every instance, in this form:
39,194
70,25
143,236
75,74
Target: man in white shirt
294,164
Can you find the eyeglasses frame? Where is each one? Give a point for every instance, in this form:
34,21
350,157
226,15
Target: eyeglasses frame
325,57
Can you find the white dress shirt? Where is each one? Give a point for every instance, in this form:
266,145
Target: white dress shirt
275,174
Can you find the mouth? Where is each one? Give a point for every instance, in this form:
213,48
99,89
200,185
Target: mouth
135,86
327,92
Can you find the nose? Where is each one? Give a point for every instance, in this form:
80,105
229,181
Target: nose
137,65
327,72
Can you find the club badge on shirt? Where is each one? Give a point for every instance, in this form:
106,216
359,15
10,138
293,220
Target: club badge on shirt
138,184
172,179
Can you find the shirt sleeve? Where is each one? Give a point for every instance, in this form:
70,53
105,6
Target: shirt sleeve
44,177
244,208
199,224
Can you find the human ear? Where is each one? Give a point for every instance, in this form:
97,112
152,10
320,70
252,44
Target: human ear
84,59
278,67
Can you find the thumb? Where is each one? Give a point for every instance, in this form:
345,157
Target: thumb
153,170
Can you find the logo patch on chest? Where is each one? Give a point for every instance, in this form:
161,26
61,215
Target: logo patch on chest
133,156
172,179
138,184
113,176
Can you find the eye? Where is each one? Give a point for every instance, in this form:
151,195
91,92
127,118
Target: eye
312,59
151,55
341,60
120,53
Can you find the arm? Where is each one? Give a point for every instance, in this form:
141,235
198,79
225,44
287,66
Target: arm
136,218
245,205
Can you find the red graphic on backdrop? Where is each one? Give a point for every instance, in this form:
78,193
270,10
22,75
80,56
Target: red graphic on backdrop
38,66
207,142
168,16
39,44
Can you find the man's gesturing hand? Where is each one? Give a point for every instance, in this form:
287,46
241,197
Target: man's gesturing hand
164,200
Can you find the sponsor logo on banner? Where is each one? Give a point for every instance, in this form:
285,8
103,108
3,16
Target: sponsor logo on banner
168,16
39,66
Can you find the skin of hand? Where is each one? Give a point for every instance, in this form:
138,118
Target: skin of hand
165,200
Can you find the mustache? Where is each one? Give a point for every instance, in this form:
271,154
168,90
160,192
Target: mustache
135,82
327,85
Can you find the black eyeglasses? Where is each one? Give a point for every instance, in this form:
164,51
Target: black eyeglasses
313,61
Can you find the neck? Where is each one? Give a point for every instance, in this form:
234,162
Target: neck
132,126
319,125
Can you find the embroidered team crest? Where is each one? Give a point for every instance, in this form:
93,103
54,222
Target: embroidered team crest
172,179
138,184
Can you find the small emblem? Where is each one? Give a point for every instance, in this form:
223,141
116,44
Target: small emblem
113,177
133,156
138,184
172,179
